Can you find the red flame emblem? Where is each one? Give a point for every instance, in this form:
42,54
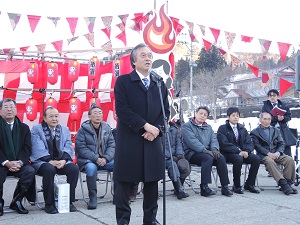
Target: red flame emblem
161,39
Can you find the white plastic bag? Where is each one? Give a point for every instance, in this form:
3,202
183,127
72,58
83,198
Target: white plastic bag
61,194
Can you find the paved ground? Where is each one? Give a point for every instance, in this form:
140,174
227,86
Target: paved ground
268,207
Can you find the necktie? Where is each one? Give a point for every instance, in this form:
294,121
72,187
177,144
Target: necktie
146,83
236,134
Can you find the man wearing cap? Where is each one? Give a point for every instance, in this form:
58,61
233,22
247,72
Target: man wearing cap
180,168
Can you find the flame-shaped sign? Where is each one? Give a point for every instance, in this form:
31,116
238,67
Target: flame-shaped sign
161,39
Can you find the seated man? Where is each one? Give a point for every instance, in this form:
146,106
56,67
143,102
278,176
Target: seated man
181,165
95,150
52,153
202,148
237,148
15,149
269,145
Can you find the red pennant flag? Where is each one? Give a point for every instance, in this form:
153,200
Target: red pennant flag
72,24
193,37
122,37
207,44
283,49
138,25
33,21
223,52
58,46
215,33
24,49
284,86
254,69
246,38
107,32
14,19
176,25
264,78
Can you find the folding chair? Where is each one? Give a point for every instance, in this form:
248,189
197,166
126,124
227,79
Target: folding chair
197,169
108,179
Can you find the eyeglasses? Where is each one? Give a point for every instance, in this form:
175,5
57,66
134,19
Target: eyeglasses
144,55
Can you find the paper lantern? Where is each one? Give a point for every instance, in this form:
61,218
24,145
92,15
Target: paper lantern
73,70
51,102
52,72
95,102
31,109
75,108
33,72
94,66
118,67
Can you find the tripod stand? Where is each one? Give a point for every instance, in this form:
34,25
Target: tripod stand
297,163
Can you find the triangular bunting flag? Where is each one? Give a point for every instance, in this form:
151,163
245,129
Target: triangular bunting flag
90,22
215,33
176,25
283,49
265,45
193,38
24,49
41,48
8,51
222,51
54,20
72,24
123,18
138,25
58,46
121,26
72,39
264,78
246,38
284,86
107,47
202,28
107,21
14,19
33,21
229,39
90,38
254,69
207,44
234,61
122,37
107,32
190,25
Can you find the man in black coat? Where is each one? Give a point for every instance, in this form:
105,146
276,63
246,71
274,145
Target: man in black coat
237,147
15,150
277,120
139,156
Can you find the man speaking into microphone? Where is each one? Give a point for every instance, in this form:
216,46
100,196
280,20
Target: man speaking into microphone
139,156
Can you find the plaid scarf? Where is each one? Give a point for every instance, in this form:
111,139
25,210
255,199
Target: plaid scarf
50,140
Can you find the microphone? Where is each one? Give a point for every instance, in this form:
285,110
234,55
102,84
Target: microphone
154,75
177,95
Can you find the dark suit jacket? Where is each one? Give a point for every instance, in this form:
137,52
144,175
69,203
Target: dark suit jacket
137,159
227,140
25,144
263,145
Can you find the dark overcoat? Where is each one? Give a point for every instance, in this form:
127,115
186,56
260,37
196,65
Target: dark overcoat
136,159
229,144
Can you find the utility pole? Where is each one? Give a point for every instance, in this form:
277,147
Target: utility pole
191,79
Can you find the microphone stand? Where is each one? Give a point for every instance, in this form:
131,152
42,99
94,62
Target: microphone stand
166,134
297,163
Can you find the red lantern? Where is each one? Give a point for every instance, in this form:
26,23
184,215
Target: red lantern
31,109
94,66
33,72
51,102
95,102
52,72
118,67
75,108
73,70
